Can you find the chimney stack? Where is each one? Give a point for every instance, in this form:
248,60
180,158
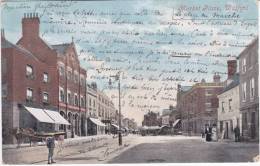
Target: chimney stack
30,25
232,68
216,78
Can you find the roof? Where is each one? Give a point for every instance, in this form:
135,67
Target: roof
185,88
234,83
61,48
6,44
250,45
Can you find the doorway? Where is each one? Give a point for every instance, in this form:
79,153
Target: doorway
227,136
253,125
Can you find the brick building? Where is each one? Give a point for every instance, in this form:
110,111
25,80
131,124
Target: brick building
198,105
249,97
72,89
29,79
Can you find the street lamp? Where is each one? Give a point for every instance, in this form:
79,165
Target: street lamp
117,78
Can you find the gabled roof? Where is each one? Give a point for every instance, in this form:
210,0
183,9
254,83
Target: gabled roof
61,48
6,44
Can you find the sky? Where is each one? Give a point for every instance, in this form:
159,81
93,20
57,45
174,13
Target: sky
155,45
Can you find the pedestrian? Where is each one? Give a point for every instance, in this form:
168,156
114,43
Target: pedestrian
50,145
214,133
237,134
60,143
208,133
202,133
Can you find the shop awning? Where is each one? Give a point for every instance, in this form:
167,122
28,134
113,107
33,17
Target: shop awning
175,123
58,119
97,122
47,116
117,127
40,115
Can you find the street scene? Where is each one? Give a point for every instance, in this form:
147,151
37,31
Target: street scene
117,82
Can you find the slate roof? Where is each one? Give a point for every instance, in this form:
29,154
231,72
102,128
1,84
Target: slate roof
61,48
185,88
234,83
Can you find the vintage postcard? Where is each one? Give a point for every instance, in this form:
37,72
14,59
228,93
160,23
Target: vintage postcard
129,81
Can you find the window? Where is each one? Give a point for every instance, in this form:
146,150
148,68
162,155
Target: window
45,97
208,92
244,92
69,98
29,71
90,102
29,94
244,65
69,76
82,102
76,102
62,97
229,104
94,103
252,88
45,77
82,82
76,77
222,105
4,90
61,70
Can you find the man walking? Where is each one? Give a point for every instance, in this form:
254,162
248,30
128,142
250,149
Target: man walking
50,145
237,133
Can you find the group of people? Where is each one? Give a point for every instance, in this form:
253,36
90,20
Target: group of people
211,133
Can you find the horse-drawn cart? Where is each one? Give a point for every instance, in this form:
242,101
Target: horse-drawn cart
29,135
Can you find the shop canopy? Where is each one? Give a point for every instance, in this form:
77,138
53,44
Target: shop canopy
175,123
40,115
97,122
58,119
47,116
116,126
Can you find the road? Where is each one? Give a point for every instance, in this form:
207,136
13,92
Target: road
185,150
164,149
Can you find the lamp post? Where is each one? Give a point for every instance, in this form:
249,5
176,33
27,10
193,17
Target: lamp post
117,78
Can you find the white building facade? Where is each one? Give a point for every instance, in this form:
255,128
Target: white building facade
229,115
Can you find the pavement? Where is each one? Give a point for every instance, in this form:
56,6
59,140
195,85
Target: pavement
155,149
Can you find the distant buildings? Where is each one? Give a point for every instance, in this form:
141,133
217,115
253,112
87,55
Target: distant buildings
198,105
129,124
228,111
234,102
249,97
151,119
